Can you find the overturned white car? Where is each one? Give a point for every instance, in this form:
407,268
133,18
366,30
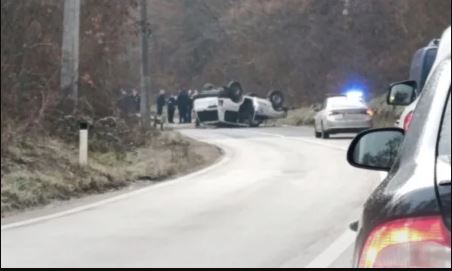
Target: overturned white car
227,106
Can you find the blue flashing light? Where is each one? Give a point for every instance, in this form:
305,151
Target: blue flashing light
356,88
355,94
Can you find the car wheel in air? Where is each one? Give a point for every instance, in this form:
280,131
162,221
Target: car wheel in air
277,99
235,91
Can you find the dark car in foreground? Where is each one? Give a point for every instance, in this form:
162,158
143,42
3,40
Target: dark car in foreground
407,221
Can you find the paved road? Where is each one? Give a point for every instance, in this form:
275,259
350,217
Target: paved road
279,198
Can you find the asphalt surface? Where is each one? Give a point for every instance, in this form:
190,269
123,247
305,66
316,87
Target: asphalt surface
279,198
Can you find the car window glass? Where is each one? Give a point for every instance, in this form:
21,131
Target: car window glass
344,102
429,61
444,148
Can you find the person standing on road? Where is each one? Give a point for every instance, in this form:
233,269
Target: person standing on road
161,102
189,106
172,104
182,106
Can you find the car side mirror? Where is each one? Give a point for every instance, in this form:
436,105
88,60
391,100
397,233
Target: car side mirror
402,93
376,149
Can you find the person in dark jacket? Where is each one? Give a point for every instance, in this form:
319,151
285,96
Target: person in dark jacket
190,102
172,104
182,105
161,102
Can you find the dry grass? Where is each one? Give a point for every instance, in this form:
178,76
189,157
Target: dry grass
385,115
39,171
299,117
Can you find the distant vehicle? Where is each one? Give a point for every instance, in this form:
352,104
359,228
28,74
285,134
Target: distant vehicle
421,66
406,222
342,114
227,106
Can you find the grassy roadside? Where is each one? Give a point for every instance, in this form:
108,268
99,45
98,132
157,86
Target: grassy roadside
39,171
385,115
299,117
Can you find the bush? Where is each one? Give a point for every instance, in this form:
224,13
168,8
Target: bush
299,117
385,115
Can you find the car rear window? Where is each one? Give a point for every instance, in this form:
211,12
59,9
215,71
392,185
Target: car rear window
444,148
340,102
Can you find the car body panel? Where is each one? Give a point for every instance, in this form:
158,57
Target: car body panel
410,189
213,111
418,73
348,118
264,109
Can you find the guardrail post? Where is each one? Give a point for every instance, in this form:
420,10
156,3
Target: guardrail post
83,144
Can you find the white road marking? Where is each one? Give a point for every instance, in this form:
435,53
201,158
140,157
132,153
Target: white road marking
225,159
334,251
331,146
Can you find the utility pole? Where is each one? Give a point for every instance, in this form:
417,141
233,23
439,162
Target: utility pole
346,10
145,71
70,50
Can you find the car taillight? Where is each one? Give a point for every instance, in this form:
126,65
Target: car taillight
407,121
408,243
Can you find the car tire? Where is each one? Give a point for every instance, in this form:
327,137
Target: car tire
324,134
317,134
277,99
234,91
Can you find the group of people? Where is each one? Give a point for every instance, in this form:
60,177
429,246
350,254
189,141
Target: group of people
130,102
183,102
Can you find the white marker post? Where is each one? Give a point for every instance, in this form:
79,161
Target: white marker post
83,150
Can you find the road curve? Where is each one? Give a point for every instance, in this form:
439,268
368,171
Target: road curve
279,199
